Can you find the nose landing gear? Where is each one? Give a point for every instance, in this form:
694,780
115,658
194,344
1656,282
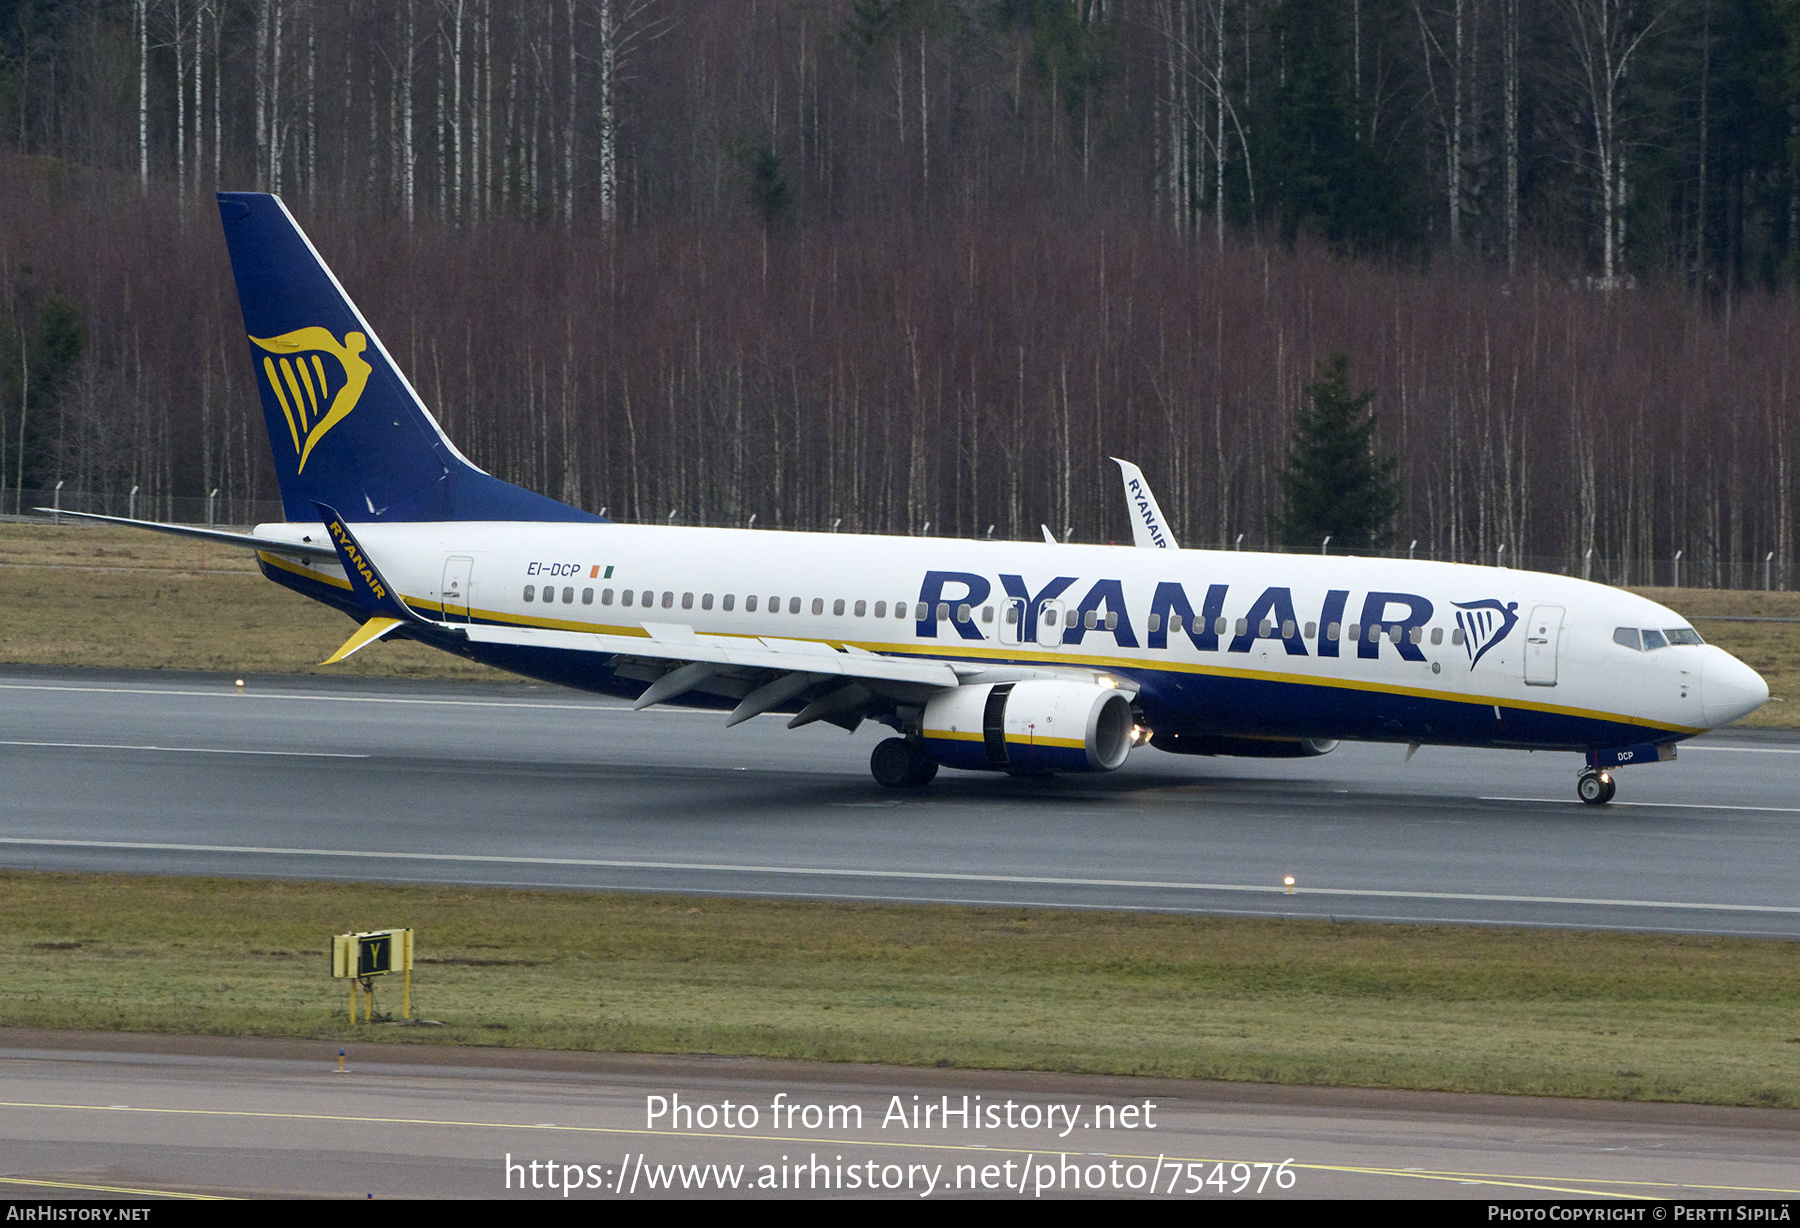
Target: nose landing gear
1596,788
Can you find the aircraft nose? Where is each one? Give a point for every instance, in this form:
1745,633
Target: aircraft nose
1729,689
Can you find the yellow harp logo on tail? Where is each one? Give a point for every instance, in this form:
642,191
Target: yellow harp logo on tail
315,394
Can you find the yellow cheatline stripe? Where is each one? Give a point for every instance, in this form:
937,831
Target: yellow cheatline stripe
1021,656
1519,1180
115,1189
304,572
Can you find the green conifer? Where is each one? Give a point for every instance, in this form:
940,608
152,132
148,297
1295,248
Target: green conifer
1335,484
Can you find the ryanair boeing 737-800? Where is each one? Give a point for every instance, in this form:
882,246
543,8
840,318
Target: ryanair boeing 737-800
999,656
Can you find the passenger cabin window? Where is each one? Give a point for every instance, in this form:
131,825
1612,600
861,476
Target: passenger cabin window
1311,630
587,596
837,607
750,604
1334,632
1175,623
549,592
568,596
881,609
706,601
531,592
1156,623
647,599
606,596
818,606
730,600
793,605
987,613
1456,637
668,601
1437,635
862,608
687,601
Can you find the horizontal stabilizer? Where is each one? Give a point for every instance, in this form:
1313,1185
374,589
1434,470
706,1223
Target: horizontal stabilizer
320,549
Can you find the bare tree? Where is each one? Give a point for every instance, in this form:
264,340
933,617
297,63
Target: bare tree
1604,35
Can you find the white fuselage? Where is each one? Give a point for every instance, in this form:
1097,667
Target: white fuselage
1425,634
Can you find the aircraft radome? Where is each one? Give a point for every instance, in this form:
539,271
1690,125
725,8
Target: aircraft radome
1022,657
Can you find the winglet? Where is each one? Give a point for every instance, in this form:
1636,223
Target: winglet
1148,528
365,635
374,595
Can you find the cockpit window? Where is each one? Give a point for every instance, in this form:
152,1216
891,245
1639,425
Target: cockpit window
1649,640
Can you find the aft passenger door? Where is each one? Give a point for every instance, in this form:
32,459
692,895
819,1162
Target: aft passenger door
457,570
1542,636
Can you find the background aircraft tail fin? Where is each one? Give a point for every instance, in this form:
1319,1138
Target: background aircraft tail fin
345,426
1148,528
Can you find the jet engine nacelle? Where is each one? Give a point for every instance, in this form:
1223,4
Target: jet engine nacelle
1249,748
1036,726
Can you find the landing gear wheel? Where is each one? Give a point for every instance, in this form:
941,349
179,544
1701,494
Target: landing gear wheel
1595,788
898,764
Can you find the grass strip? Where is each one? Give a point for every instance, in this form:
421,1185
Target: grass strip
1560,1013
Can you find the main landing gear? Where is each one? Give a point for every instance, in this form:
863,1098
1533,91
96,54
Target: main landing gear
900,764
1594,787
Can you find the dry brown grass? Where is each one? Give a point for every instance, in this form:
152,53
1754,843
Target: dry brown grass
1570,1013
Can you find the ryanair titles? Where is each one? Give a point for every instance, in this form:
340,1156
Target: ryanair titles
356,561
1211,617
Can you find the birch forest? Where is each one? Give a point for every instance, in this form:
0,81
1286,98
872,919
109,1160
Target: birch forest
922,266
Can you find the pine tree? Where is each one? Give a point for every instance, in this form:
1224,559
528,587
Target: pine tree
1334,483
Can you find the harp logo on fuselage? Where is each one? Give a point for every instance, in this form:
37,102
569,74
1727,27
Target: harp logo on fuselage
1484,624
316,380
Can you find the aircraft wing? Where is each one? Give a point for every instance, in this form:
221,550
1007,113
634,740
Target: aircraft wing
761,673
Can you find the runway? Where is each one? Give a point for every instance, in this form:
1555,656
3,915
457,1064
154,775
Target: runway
523,785
97,1116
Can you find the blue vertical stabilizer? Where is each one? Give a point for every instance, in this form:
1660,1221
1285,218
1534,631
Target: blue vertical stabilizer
345,426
